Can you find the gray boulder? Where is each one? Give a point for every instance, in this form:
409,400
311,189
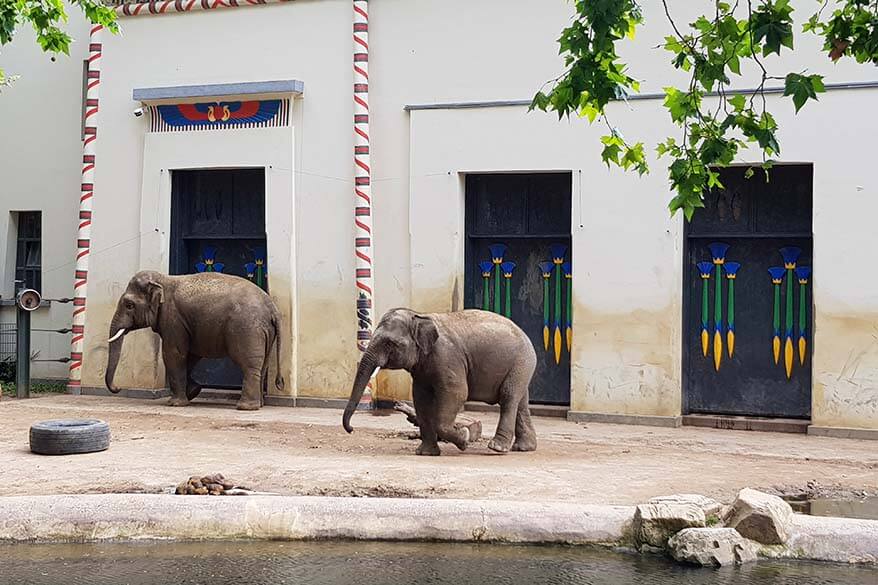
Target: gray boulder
709,506
712,547
760,517
655,523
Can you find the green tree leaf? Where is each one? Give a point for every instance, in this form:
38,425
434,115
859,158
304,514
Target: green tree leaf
45,17
714,46
802,88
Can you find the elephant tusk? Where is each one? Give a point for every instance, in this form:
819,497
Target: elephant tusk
119,334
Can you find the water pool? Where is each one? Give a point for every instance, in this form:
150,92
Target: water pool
348,563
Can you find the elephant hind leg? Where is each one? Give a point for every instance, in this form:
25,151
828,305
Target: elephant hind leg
193,388
251,393
513,391
525,435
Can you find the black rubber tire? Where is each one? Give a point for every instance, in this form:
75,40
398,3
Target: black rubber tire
68,436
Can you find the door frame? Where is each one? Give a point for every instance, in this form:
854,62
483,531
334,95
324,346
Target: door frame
465,250
272,149
685,275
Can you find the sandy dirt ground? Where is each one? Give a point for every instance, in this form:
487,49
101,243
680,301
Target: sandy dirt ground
305,451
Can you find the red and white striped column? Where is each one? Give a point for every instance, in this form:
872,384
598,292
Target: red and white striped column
363,185
83,237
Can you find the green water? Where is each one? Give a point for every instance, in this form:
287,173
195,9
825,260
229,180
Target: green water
347,563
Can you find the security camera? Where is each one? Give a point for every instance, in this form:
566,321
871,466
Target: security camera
138,112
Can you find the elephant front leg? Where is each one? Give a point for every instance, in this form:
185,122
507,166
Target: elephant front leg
177,372
426,416
448,405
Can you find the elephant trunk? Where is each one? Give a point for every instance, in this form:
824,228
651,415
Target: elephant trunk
117,334
368,364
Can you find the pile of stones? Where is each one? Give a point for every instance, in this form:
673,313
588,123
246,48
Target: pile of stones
209,485
697,530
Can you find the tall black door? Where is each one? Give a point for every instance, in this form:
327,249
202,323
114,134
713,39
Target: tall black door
218,225
748,306
518,263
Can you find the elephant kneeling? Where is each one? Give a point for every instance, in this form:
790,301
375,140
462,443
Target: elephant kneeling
455,357
205,315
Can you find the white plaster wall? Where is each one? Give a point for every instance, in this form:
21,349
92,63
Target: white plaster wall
626,273
267,148
627,250
40,164
306,40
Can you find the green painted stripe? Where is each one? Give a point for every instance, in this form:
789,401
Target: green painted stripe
546,315
705,304
557,294
486,300
731,317
497,308
776,308
789,301
802,313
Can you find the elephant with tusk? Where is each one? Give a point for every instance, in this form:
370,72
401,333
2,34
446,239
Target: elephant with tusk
205,315
455,357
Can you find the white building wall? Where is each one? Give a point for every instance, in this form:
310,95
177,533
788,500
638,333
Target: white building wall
628,252
40,164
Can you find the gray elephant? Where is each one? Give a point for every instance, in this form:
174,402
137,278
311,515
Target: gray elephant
206,315
454,357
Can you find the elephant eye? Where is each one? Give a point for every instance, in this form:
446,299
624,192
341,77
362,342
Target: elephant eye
129,305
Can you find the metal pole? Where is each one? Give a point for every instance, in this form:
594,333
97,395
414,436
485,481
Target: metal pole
22,350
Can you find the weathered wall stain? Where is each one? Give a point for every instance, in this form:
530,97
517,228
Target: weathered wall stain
845,355
624,363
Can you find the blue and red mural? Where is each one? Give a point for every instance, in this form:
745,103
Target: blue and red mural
218,115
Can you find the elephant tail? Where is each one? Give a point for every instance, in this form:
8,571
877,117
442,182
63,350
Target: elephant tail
275,322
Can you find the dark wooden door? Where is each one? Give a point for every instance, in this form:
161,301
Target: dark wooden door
218,225
748,344
518,263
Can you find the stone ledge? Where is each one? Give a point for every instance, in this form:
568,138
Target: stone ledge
143,393
626,419
746,423
139,516
840,540
843,432
535,409
100,517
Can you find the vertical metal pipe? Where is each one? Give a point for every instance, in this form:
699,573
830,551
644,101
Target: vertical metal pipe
22,351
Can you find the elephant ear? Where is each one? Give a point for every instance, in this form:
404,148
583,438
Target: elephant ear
424,333
156,293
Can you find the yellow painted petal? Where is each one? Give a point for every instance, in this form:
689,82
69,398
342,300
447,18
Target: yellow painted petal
730,338
704,341
776,346
717,349
546,337
569,338
803,346
557,345
788,357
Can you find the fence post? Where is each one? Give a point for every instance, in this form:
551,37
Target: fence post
26,300
22,350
